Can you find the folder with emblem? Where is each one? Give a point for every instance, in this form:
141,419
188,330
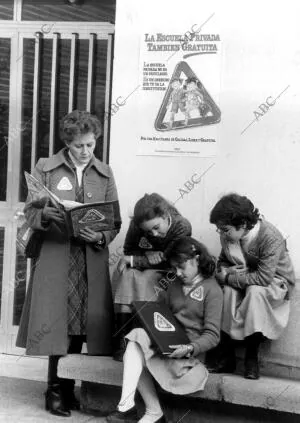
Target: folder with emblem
100,216
97,216
161,325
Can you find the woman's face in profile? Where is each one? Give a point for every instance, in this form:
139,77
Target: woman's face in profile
82,147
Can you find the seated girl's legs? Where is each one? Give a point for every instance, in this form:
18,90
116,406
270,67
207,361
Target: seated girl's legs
147,390
134,362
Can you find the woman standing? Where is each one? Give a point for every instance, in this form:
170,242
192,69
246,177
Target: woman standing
257,275
195,299
141,273
69,294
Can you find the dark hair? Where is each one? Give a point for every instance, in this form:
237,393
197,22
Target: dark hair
151,206
79,122
235,210
187,248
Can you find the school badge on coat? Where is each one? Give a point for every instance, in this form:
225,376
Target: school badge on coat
64,184
144,243
197,294
162,324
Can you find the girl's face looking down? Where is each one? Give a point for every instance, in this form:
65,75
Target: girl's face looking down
157,227
231,233
187,270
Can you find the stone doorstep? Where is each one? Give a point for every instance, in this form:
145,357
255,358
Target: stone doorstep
268,392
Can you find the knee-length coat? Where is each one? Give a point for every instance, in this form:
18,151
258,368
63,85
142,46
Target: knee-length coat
44,323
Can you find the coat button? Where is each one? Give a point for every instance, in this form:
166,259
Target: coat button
89,195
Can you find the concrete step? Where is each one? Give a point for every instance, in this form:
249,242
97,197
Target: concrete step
268,392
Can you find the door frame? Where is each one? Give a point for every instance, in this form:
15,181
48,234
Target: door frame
17,31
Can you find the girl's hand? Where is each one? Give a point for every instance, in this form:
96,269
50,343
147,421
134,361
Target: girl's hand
155,257
124,262
181,351
88,235
221,275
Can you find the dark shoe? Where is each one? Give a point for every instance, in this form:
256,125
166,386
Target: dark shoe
227,365
54,402
120,416
251,369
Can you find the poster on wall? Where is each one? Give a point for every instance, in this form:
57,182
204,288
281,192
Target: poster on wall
178,102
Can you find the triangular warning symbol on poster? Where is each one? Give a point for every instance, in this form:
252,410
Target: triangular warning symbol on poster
186,103
162,324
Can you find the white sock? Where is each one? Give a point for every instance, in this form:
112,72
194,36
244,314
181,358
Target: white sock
133,362
148,392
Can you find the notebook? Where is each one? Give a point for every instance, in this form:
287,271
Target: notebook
160,324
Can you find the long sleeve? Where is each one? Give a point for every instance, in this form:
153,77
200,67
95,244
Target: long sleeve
267,263
210,336
111,195
33,209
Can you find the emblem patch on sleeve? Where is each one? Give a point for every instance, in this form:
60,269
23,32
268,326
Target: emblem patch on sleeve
64,184
197,294
144,243
162,324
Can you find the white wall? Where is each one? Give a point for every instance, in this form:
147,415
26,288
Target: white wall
261,57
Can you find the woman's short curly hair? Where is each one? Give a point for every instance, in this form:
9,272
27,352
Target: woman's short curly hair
234,210
79,122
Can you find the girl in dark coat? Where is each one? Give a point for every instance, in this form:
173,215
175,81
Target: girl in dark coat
155,226
69,298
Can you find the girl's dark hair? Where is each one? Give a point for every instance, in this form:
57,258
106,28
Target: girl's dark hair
235,210
187,248
151,206
79,122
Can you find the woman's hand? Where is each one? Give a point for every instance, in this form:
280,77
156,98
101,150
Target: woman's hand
221,275
154,257
88,235
52,213
124,262
181,351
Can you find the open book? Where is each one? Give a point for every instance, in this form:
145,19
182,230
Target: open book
100,216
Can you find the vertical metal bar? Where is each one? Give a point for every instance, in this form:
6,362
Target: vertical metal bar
18,6
36,91
72,71
90,72
107,98
53,92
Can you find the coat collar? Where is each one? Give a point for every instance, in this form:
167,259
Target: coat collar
59,159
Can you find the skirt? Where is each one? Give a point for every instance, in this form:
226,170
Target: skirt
136,285
179,376
256,309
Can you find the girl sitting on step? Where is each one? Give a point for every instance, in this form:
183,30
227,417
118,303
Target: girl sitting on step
155,225
256,274
195,299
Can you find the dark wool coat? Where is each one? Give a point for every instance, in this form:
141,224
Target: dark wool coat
43,327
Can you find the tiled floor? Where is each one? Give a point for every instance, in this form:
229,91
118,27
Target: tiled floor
22,400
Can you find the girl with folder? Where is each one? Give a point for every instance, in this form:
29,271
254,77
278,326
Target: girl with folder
195,299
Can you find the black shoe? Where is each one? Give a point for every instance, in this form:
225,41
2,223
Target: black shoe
54,402
123,416
227,365
251,369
